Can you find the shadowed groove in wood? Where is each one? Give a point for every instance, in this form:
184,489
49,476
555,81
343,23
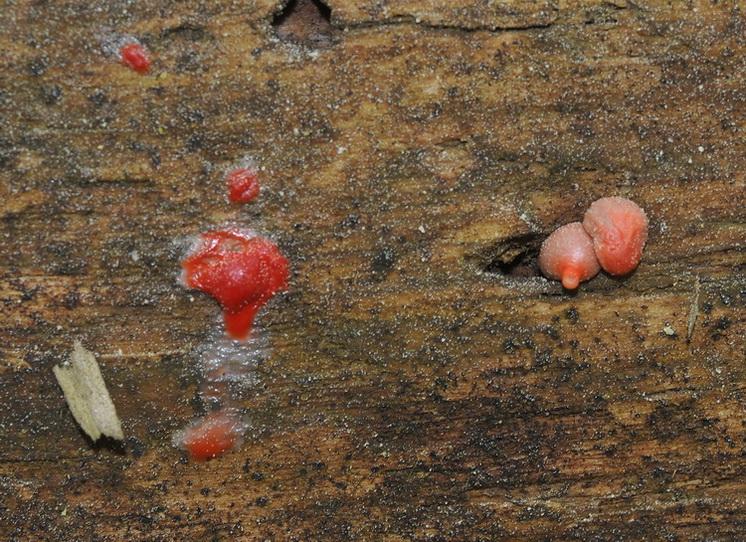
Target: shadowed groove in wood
305,22
516,257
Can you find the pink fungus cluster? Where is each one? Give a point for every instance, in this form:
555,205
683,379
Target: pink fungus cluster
611,237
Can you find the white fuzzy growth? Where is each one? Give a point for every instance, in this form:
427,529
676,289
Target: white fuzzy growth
229,367
112,43
247,162
228,360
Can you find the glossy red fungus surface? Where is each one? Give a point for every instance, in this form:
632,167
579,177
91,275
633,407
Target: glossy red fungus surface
240,270
243,185
619,229
212,435
135,57
568,255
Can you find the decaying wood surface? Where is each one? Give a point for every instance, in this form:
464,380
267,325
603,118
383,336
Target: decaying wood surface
424,383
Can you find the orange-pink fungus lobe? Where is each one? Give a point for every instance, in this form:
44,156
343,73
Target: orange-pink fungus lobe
240,270
619,229
567,255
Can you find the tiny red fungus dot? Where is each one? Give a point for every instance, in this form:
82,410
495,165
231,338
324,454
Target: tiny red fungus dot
135,57
212,435
240,270
619,229
567,255
243,184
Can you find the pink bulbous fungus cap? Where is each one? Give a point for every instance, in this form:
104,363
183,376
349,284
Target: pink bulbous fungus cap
619,229
568,255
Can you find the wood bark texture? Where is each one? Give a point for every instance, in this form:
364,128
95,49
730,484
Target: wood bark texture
422,381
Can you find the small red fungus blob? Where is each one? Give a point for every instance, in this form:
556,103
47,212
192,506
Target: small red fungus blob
212,435
135,57
619,229
240,270
243,185
567,255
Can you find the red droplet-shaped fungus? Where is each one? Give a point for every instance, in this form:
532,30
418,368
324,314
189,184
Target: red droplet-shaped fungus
240,270
567,255
135,57
243,185
619,229
211,435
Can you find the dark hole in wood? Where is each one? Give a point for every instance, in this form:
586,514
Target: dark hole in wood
306,22
516,257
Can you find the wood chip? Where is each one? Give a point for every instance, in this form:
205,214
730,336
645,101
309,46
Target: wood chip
86,395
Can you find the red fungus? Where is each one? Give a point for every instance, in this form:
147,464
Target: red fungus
619,229
567,255
135,57
212,435
243,185
240,270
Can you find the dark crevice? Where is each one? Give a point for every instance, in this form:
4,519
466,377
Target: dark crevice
187,31
402,20
514,257
304,22
602,15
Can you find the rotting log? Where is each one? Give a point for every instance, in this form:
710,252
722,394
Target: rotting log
423,382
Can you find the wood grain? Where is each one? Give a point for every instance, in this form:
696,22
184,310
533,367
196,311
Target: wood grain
424,383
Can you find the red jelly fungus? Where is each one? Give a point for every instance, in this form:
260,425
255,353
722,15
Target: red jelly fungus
212,435
243,185
240,270
619,229
135,56
567,255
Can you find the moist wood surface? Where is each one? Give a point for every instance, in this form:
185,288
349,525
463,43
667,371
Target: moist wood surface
423,383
